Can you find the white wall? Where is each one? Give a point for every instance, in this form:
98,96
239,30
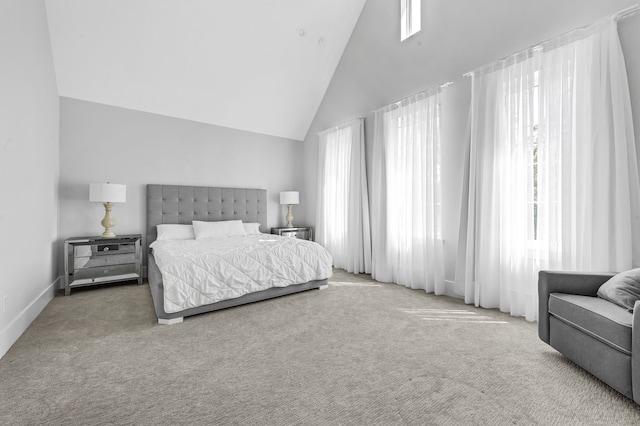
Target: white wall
100,143
237,64
29,165
457,36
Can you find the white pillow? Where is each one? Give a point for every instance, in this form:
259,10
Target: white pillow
251,228
222,229
175,232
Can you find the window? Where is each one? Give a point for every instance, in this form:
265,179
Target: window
406,195
405,170
336,187
549,179
342,221
409,18
533,160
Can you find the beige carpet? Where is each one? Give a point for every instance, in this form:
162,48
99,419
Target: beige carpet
358,353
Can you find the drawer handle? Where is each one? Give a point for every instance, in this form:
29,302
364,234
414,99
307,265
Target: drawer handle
106,249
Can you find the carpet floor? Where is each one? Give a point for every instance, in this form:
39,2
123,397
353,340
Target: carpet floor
357,353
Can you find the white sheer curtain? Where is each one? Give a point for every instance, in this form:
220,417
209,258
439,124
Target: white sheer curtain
342,224
552,170
405,194
591,152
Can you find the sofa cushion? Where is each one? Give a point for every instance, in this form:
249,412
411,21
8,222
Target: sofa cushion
623,289
597,317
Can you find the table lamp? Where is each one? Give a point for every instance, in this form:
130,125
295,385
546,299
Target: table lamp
289,198
107,193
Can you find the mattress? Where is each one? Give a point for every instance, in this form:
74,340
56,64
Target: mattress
205,271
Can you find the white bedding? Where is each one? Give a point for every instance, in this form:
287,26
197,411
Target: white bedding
200,272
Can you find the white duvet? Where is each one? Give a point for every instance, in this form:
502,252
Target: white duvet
199,272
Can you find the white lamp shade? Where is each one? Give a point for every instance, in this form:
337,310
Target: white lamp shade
107,192
289,197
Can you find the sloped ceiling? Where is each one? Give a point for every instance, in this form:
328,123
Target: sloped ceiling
255,65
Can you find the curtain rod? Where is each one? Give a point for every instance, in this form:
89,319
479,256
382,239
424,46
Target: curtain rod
624,13
343,124
439,86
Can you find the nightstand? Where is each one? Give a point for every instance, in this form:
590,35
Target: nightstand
98,260
301,232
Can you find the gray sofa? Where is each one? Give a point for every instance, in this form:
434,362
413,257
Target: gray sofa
599,336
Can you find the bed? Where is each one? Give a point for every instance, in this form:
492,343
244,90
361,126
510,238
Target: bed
181,205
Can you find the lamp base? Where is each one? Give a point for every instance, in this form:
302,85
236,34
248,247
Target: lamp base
289,217
108,221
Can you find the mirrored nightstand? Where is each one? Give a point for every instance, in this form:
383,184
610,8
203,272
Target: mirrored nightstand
301,232
97,260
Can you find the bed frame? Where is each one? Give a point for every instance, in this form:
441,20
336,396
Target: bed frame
183,204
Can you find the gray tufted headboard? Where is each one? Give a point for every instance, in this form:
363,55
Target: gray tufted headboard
182,204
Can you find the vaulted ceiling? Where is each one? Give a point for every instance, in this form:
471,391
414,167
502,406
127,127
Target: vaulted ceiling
256,65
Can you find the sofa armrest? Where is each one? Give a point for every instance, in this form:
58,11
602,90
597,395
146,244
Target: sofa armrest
635,353
581,283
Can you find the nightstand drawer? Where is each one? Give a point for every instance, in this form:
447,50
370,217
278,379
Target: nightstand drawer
102,249
300,232
291,234
105,271
98,261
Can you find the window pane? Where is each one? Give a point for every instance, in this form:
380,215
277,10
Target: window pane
409,18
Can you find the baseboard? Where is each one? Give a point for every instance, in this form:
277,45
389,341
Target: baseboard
12,332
